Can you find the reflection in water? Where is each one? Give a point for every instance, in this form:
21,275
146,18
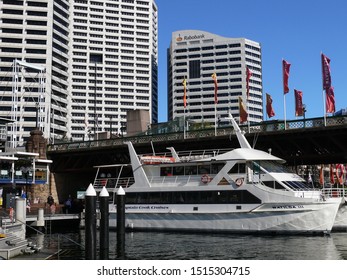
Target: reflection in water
169,246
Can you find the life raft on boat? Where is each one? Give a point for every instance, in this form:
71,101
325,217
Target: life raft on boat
156,159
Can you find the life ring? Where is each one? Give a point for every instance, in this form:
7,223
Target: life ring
239,182
206,179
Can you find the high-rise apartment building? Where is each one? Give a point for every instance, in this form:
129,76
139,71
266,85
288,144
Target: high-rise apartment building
114,63
76,67
195,55
34,61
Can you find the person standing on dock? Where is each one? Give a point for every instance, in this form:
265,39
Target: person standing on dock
50,202
68,205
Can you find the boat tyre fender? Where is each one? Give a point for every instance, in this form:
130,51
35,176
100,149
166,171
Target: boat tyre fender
206,179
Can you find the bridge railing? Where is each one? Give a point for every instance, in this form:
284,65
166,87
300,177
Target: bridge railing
266,126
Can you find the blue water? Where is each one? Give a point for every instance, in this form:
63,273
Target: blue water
177,246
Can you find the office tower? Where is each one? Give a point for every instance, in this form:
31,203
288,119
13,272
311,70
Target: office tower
114,64
195,55
34,67
74,68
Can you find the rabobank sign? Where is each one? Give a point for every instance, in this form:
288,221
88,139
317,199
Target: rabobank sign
190,37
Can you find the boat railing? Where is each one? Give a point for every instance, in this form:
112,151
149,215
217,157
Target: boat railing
186,156
111,183
334,192
176,180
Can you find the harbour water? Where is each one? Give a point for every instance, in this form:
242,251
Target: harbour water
191,246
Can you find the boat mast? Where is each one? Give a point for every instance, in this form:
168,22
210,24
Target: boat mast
240,136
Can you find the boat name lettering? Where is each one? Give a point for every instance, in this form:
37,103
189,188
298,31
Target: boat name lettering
159,207
287,206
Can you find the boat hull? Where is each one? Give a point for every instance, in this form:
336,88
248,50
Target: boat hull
340,223
313,219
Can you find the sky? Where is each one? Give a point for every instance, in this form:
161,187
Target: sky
297,31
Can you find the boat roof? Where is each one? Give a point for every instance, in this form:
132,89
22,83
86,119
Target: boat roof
244,154
111,165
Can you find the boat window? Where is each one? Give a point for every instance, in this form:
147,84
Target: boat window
191,170
298,185
273,185
273,166
204,169
238,168
130,198
193,197
178,170
177,197
154,198
255,166
216,167
166,171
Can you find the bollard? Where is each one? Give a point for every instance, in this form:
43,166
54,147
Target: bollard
121,223
21,214
90,220
104,224
40,218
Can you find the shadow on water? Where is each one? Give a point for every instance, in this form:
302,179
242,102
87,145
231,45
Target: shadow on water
190,246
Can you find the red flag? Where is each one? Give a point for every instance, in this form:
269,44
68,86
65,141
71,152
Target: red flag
243,113
330,100
214,77
248,76
332,178
299,108
286,69
269,110
339,173
321,175
185,92
326,72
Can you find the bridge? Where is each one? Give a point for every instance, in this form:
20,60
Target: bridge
299,142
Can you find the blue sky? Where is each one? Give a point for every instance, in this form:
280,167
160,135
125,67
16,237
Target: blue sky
296,30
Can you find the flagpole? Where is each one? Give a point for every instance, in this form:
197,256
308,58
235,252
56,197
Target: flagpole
248,124
285,117
284,98
324,105
215,119
214,77
184,124
184,105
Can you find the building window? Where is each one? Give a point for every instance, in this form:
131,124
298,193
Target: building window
194,69
95,58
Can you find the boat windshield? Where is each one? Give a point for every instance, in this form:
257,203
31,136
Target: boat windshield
298,185
271,166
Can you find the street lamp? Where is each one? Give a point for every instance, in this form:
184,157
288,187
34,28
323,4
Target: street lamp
110,127
304,112
26,171
37,114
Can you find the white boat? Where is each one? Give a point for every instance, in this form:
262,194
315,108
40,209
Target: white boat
340,223
241,190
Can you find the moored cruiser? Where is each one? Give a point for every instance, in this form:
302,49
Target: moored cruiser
242,190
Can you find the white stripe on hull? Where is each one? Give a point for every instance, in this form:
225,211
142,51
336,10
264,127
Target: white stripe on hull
319,220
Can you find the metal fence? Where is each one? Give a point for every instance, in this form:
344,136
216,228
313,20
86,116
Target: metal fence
266,126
